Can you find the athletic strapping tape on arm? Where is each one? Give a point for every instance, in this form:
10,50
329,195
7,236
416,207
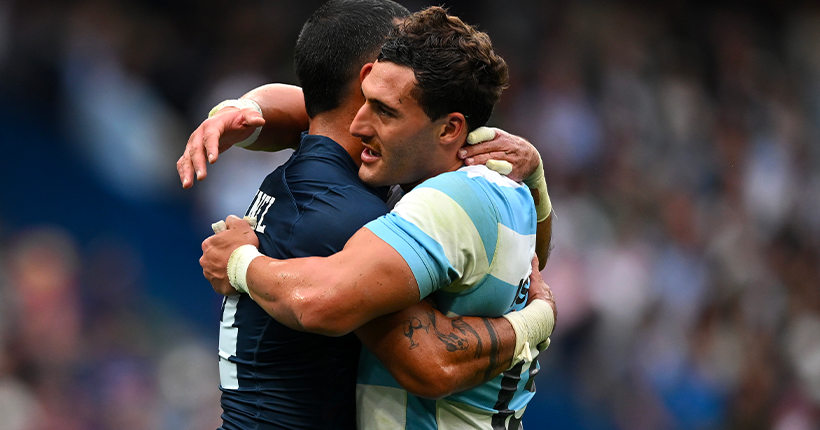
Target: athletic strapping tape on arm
240,258
536,181
533,326
240,104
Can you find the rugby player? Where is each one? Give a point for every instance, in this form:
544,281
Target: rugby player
466,235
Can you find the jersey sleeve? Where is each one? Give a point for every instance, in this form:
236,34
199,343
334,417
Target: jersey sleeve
443,229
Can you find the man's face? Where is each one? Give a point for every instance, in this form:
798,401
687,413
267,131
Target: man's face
400,140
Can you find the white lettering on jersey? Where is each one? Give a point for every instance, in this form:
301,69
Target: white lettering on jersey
261,203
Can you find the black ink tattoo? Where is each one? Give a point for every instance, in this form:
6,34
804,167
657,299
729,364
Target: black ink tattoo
463,327
458,340
494,349
410,326
451,341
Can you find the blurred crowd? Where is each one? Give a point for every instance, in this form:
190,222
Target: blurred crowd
681,143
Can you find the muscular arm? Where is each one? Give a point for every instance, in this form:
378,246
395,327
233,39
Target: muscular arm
543,241
333,295
428,354
283,108
283,120
433,356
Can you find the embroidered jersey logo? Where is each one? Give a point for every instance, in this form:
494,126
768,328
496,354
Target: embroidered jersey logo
259,207
522,293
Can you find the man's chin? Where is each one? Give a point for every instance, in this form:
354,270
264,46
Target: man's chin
372,177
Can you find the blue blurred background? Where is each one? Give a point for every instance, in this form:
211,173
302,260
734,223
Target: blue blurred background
680,142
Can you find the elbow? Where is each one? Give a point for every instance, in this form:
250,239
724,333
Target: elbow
316,315
431,382
316,323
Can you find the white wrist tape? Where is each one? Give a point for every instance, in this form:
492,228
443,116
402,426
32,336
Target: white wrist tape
533,326
240,104
536,181
238,266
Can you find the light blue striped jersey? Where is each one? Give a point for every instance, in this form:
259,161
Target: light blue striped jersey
469,238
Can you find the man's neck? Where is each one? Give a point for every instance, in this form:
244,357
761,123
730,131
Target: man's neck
455,164
335,125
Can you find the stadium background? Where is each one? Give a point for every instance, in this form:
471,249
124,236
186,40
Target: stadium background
681,148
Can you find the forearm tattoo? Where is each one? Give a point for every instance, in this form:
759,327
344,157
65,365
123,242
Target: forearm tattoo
410,327
494,349
458,339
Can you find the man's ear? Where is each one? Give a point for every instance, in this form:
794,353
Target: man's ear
454,129
365,71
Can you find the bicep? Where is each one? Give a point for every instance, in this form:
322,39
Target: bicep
371,279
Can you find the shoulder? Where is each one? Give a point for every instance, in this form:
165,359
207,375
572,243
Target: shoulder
473,195
468,174
472,191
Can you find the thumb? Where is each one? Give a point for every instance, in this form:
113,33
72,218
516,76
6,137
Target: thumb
253,118
233,221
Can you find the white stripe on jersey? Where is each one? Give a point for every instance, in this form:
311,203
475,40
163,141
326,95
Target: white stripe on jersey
228,377
467,255
512,248
386,406
491,176
454,416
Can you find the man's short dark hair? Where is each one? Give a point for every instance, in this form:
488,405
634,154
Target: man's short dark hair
454,64
334,44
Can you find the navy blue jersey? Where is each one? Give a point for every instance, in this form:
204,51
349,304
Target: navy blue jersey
273,377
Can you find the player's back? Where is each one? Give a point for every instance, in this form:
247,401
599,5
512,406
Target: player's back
272,376
469,237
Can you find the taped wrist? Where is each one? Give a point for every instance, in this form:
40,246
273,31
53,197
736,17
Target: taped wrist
533,326
240,104
238,264
536,181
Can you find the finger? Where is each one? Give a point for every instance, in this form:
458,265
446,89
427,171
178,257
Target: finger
496,145
481,134
196,153
219,226
534,264
253,118
210,139
251,221
500,166
483,158
232,221
185,164
186,171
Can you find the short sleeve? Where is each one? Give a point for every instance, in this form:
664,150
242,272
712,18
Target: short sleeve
443,230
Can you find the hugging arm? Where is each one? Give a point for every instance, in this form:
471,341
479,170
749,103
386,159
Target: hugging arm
433,356
283,118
